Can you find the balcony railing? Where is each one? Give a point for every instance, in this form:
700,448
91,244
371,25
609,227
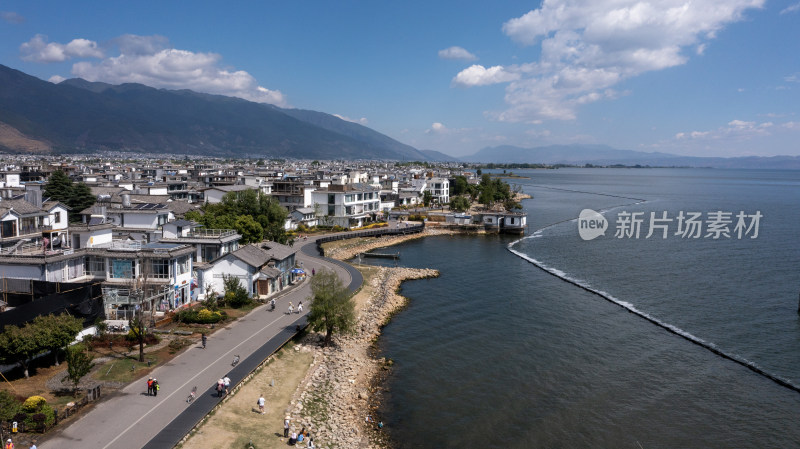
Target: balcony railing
210,233
124,245
27,230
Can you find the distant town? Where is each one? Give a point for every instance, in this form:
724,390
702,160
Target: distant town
167,223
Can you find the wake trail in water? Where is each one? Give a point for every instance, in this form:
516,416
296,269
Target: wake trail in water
632,309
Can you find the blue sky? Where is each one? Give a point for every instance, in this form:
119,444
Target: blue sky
702,77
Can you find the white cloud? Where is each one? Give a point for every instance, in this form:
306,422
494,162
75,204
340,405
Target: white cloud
739,129
457,53
587,47
436,128
360,121
55,79
478,75
793,78
791,9
39,50
151,61
11,17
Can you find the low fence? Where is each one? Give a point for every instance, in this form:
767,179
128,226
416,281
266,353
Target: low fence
380,232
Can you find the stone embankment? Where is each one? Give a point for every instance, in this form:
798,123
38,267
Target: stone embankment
333,401
350,251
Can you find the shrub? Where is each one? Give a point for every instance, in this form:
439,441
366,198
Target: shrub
133,336
33,404
9,406
235,293
40,421
200,316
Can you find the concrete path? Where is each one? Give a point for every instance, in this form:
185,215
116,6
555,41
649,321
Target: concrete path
131,419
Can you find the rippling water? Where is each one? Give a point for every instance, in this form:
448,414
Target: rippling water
499,353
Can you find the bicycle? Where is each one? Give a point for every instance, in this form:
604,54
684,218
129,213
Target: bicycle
235,360
192,395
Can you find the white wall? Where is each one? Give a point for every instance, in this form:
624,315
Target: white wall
143,221
228,266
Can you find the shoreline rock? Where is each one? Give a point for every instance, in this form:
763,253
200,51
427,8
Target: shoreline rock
339,391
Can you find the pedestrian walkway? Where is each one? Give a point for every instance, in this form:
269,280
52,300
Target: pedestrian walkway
131,419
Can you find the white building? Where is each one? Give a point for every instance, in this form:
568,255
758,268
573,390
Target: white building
348,206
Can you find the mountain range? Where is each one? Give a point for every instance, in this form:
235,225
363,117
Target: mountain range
605,155
76,115
40,117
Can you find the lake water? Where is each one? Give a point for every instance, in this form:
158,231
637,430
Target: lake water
498,352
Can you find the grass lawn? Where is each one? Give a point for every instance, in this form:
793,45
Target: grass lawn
128,369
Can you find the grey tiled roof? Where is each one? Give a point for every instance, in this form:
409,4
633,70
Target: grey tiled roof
252,255
278,251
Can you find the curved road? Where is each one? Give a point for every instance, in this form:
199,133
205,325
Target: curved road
131,419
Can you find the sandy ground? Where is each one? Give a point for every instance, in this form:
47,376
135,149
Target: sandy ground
238,420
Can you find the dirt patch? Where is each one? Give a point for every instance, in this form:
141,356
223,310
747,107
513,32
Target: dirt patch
238,421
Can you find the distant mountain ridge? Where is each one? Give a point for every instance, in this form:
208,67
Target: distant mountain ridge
81,116
605,155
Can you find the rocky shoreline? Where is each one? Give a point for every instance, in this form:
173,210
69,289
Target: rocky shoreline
351,251
338,394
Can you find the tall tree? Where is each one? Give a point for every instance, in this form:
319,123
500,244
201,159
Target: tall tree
427,197
82,198
77,196
60,331
20,344
459,203
58,187
79,363
332,306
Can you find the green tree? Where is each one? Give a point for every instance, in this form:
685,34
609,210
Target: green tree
427,197
76,196
460,186
251,230
138,331
487,195
79,363
21,344
82,198
332,307
235,293
256,208
60,331
58,187
459,203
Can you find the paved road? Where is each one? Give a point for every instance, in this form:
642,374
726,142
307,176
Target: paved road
131,419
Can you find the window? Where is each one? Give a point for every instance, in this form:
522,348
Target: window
331,199
57,217
95,266
122,269
183,265
331,209
160,268
162,219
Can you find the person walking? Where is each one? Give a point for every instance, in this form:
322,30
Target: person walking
313,272
260,403
291,308
227,381
156,387
220,387
9,444
300,307
150,386
204,341
286,422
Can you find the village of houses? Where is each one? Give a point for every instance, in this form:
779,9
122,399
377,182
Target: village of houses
137,227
